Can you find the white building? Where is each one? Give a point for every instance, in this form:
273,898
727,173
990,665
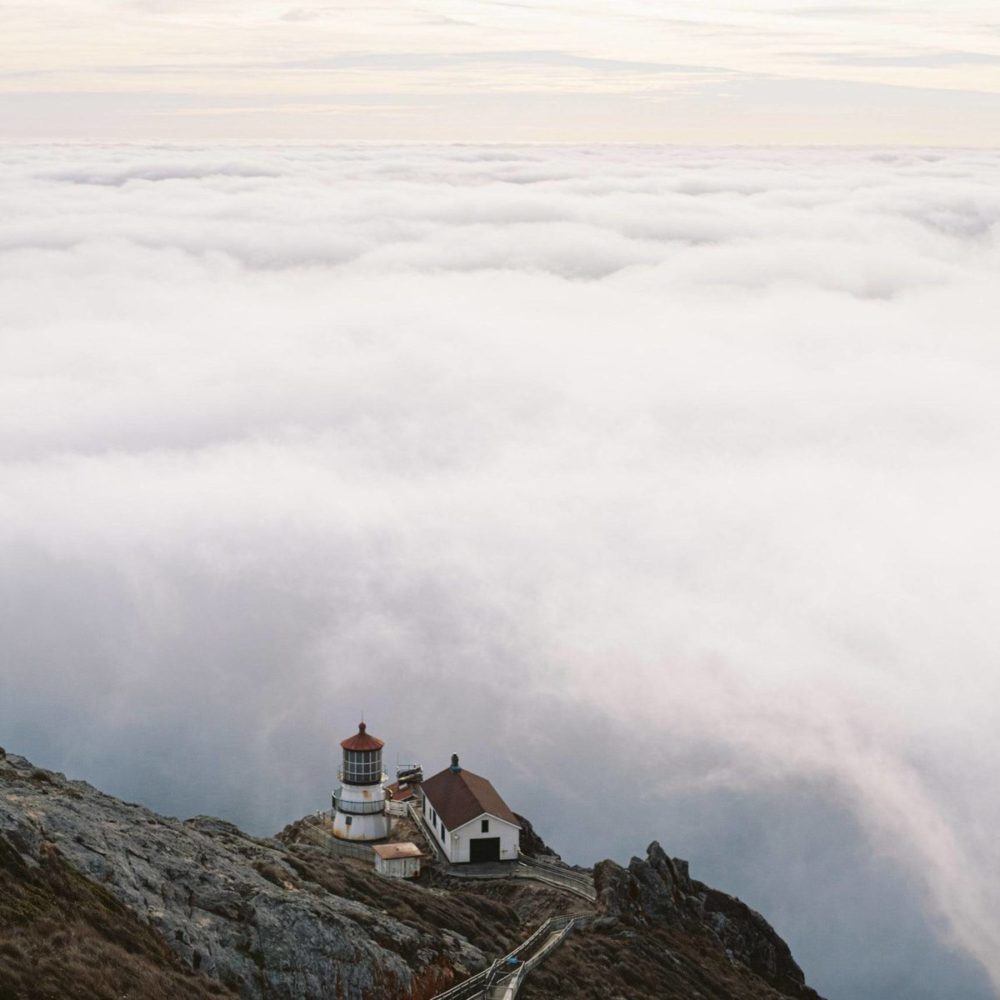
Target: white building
397,860
468,818
359,803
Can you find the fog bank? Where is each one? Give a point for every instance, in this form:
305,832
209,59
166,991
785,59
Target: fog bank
658,483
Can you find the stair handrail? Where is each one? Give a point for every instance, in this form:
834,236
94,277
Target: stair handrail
562,921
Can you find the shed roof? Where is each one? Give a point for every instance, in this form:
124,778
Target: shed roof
459,796
362,740
401,792
392,852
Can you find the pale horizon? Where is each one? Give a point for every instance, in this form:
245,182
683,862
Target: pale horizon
752,72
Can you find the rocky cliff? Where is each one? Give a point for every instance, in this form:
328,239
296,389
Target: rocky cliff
664,936
103,898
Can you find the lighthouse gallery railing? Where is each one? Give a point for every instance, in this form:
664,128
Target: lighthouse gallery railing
356,808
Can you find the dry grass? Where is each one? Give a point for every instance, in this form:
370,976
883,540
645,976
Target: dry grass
643,963
490,924
63,936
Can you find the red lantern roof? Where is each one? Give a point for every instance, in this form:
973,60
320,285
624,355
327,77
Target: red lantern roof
362,741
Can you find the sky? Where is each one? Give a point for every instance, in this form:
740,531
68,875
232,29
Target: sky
635,71
659,483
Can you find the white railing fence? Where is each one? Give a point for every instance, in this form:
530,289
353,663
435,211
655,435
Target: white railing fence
579,883
498,980
417,817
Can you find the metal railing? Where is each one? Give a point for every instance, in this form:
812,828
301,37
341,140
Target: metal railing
417,816
355,807
579,883
508,988
524,958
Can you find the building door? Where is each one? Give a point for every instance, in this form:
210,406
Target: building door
484,849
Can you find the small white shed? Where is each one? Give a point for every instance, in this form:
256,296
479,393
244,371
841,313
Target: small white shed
397,860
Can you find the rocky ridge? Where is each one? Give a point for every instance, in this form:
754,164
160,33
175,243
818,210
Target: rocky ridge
251,913
202,909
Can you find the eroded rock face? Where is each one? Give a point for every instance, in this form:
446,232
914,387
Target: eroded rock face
658,890
234,907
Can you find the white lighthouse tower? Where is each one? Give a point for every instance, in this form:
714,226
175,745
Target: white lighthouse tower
359,803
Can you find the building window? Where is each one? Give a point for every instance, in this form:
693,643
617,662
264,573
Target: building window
485,826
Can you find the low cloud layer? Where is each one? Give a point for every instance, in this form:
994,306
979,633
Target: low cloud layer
657,482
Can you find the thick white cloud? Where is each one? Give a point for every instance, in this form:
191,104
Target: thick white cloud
496,442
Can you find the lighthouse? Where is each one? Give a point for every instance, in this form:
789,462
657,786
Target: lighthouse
359,803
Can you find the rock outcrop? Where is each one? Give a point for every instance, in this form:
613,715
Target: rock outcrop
62,935
531,843
663,935
660,889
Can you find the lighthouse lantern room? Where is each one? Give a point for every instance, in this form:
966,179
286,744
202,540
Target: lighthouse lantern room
359,803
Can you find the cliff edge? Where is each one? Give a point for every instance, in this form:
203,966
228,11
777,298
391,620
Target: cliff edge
101,898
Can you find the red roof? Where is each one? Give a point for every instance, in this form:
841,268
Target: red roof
398,793
459,796
362,741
